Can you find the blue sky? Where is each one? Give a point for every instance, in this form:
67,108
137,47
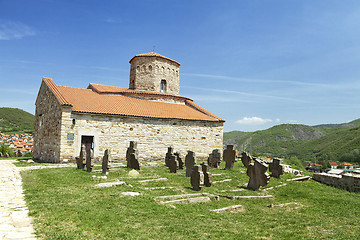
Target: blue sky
254,63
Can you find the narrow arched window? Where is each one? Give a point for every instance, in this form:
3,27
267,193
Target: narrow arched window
163,86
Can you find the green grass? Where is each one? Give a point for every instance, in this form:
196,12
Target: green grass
66,205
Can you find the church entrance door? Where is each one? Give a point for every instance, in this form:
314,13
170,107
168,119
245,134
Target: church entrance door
88,141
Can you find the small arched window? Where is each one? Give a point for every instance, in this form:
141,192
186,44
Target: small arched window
163,86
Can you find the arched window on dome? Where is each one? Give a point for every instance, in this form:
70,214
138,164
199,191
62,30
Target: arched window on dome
163,86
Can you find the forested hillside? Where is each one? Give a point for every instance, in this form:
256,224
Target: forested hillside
16,120
327,142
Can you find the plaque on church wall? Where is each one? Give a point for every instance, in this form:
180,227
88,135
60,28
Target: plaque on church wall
70,136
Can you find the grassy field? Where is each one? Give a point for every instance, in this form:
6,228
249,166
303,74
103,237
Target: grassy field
65,205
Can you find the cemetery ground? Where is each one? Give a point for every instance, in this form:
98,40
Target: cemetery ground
65,204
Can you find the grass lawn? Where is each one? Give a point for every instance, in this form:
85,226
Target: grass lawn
65,205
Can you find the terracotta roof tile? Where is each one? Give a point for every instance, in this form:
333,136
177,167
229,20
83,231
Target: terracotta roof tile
88,101
153,54
106,89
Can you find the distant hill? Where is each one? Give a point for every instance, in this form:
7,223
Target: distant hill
16,120
326,142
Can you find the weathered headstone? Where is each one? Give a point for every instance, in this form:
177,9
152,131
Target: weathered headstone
246,159
258,175
106,162
172,163
276,168
179,160
207,175
214,158
229,156
132,161
19,154
80,161
189,162
6,155
197,178
89,158
167,156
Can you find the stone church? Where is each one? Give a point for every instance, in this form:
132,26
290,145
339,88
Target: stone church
151,112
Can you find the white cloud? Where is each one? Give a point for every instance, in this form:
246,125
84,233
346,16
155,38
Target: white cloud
253,121
14,30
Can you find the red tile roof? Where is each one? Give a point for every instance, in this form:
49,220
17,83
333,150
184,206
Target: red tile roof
333,163
88,101
153,54
106,89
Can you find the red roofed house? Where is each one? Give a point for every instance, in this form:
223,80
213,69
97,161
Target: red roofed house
151,112
333,165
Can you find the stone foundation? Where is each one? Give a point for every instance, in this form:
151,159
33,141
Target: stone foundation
346,181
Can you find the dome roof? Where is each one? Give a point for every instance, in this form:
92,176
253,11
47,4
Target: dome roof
153,54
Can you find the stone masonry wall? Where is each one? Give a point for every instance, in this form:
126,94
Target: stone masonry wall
154,136
146,73
346,181
47,126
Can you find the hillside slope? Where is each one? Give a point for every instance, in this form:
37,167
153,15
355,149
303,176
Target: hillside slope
273,141
16,120
326,142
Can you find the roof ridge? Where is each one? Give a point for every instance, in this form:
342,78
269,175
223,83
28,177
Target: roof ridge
53,87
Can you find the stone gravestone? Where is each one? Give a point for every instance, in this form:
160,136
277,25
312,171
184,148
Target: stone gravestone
89,158
0,155
6,155
179,160
172,163
258,175
214,158
197,178
80,161
167,156
132,162
246,159
276,168
189,162
106,162
229,156
207,175
19,154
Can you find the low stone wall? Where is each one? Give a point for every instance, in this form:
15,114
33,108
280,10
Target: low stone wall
346,181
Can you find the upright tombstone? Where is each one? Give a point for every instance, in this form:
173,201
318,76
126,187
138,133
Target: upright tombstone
179,160
197,178
80,161
0,154
89,158
168,155
207,175
19,154
189,162
106,162
246,159
229,156
132,162
258,175
6,155
276,168
172,163
214,158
